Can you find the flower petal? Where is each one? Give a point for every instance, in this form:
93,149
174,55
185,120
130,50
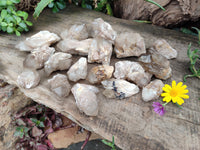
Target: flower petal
179,84
167,99
184,96
167,88
184,87
174,99
180,101
165,94
173,84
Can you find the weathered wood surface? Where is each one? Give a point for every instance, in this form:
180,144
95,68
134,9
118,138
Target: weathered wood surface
132,121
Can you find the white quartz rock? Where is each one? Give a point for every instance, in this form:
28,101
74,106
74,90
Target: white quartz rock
129,44
28,79
132,71
74,46
102,29
152,91
100,51
58,61
165,49
78,70
38,57
42,38
77,32
119,88
100,73
59,85
86,99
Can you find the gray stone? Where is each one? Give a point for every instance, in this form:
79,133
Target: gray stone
129,44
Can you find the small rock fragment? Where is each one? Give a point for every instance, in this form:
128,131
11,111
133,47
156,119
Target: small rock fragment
102,29
119,88
77,32
74,46
38,57
100,73
165,49
28,79
132,71
152,91
100,51
86,99
78,70
156,64
42,38
129,44
58,61
59,85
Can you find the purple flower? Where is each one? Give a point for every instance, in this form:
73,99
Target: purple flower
159,108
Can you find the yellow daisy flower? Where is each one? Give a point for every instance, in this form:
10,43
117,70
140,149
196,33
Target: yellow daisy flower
176,93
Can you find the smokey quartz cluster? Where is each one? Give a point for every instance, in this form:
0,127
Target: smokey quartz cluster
84,53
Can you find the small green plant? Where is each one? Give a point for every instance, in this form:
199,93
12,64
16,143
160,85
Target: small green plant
57,5
21,131
198,32
11,20
142,21
194,56
151,1
110,144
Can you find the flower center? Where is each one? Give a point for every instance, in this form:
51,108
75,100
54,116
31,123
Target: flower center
173,93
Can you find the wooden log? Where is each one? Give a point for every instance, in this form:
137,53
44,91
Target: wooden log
131,121
177,11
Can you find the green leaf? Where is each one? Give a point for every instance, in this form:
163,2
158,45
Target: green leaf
18,19
29,23
40,6
55,9
3,2
142,21
50,5
4,28
22,14
41,124
61,5
9,29
4,24
17,33
15,1
23,25
34,120
109,9
3,13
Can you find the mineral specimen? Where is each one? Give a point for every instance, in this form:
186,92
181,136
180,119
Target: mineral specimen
86,99
74,46
165,49
119,88
129,44
57,61
59,85
38,57
102,29
42,38
78,70
28,79
100,51
152,91
132,71
77,32
156,64
100,73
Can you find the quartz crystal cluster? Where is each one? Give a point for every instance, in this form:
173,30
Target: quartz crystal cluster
69,63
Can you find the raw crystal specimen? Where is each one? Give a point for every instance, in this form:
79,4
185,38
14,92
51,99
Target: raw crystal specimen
74,46
77,32
152,91
155,63
38,57
86,99
129,44
100,51
100,73
42,38
119,88
165,49
28,79
102,29
58,61
78,70
59,85
132,71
